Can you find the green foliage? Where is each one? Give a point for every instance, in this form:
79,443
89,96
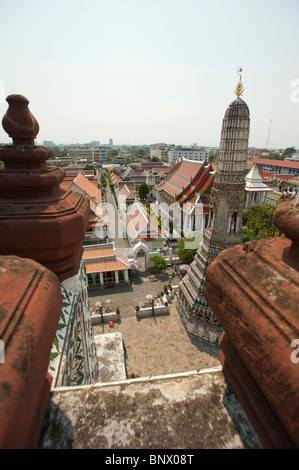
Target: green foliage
289,150
59,152
155,159
143,191
89,167
247,235
273,156
259,223
159,262
103,180
138,152
186,255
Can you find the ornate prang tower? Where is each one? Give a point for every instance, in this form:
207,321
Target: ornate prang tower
224,228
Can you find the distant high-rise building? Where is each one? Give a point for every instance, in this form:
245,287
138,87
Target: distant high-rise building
110,142
98,154
94,143
103,154
48,143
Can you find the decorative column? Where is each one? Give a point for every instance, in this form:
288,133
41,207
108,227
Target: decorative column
42,222
254,291
38,219
224,229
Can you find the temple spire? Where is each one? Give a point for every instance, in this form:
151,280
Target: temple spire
239,88
224,229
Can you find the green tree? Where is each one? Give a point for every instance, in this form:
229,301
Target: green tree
58,152
89,167
258,221
143,191
159,262
274,156
137,152
155,159
289,150
186,255
103,180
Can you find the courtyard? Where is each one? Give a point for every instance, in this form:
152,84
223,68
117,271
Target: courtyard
155,345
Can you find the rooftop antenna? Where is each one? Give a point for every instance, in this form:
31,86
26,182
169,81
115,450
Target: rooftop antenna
267,144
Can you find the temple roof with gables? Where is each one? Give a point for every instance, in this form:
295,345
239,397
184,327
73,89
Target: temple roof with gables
140,226
188,182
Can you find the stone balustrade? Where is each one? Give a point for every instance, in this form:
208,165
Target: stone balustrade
253,290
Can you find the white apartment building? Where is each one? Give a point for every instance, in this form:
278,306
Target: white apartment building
293,158
98,154
176,153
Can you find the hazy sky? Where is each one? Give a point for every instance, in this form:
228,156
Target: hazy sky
147,71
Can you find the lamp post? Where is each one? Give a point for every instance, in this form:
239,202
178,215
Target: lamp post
99,309
150,297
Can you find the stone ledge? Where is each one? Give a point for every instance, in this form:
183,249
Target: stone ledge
111,357
195,411
147,312
96,319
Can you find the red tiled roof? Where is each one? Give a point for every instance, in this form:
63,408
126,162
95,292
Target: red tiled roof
266,174
90,189
281,163
114,177
162,170
183,175
98,251
151,164
104,265
201,181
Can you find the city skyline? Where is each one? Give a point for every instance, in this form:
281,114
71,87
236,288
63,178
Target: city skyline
148,72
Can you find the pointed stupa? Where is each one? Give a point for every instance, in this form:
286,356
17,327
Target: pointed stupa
224,229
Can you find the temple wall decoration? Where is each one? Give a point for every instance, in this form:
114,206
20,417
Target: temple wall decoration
73,359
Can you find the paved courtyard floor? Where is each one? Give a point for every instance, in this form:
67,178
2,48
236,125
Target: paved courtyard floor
155,345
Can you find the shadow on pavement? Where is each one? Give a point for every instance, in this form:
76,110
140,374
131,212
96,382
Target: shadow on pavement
205,346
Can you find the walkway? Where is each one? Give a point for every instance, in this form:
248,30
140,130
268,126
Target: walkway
156,345
116,225
127,297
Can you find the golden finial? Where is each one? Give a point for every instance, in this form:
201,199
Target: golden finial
239,88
